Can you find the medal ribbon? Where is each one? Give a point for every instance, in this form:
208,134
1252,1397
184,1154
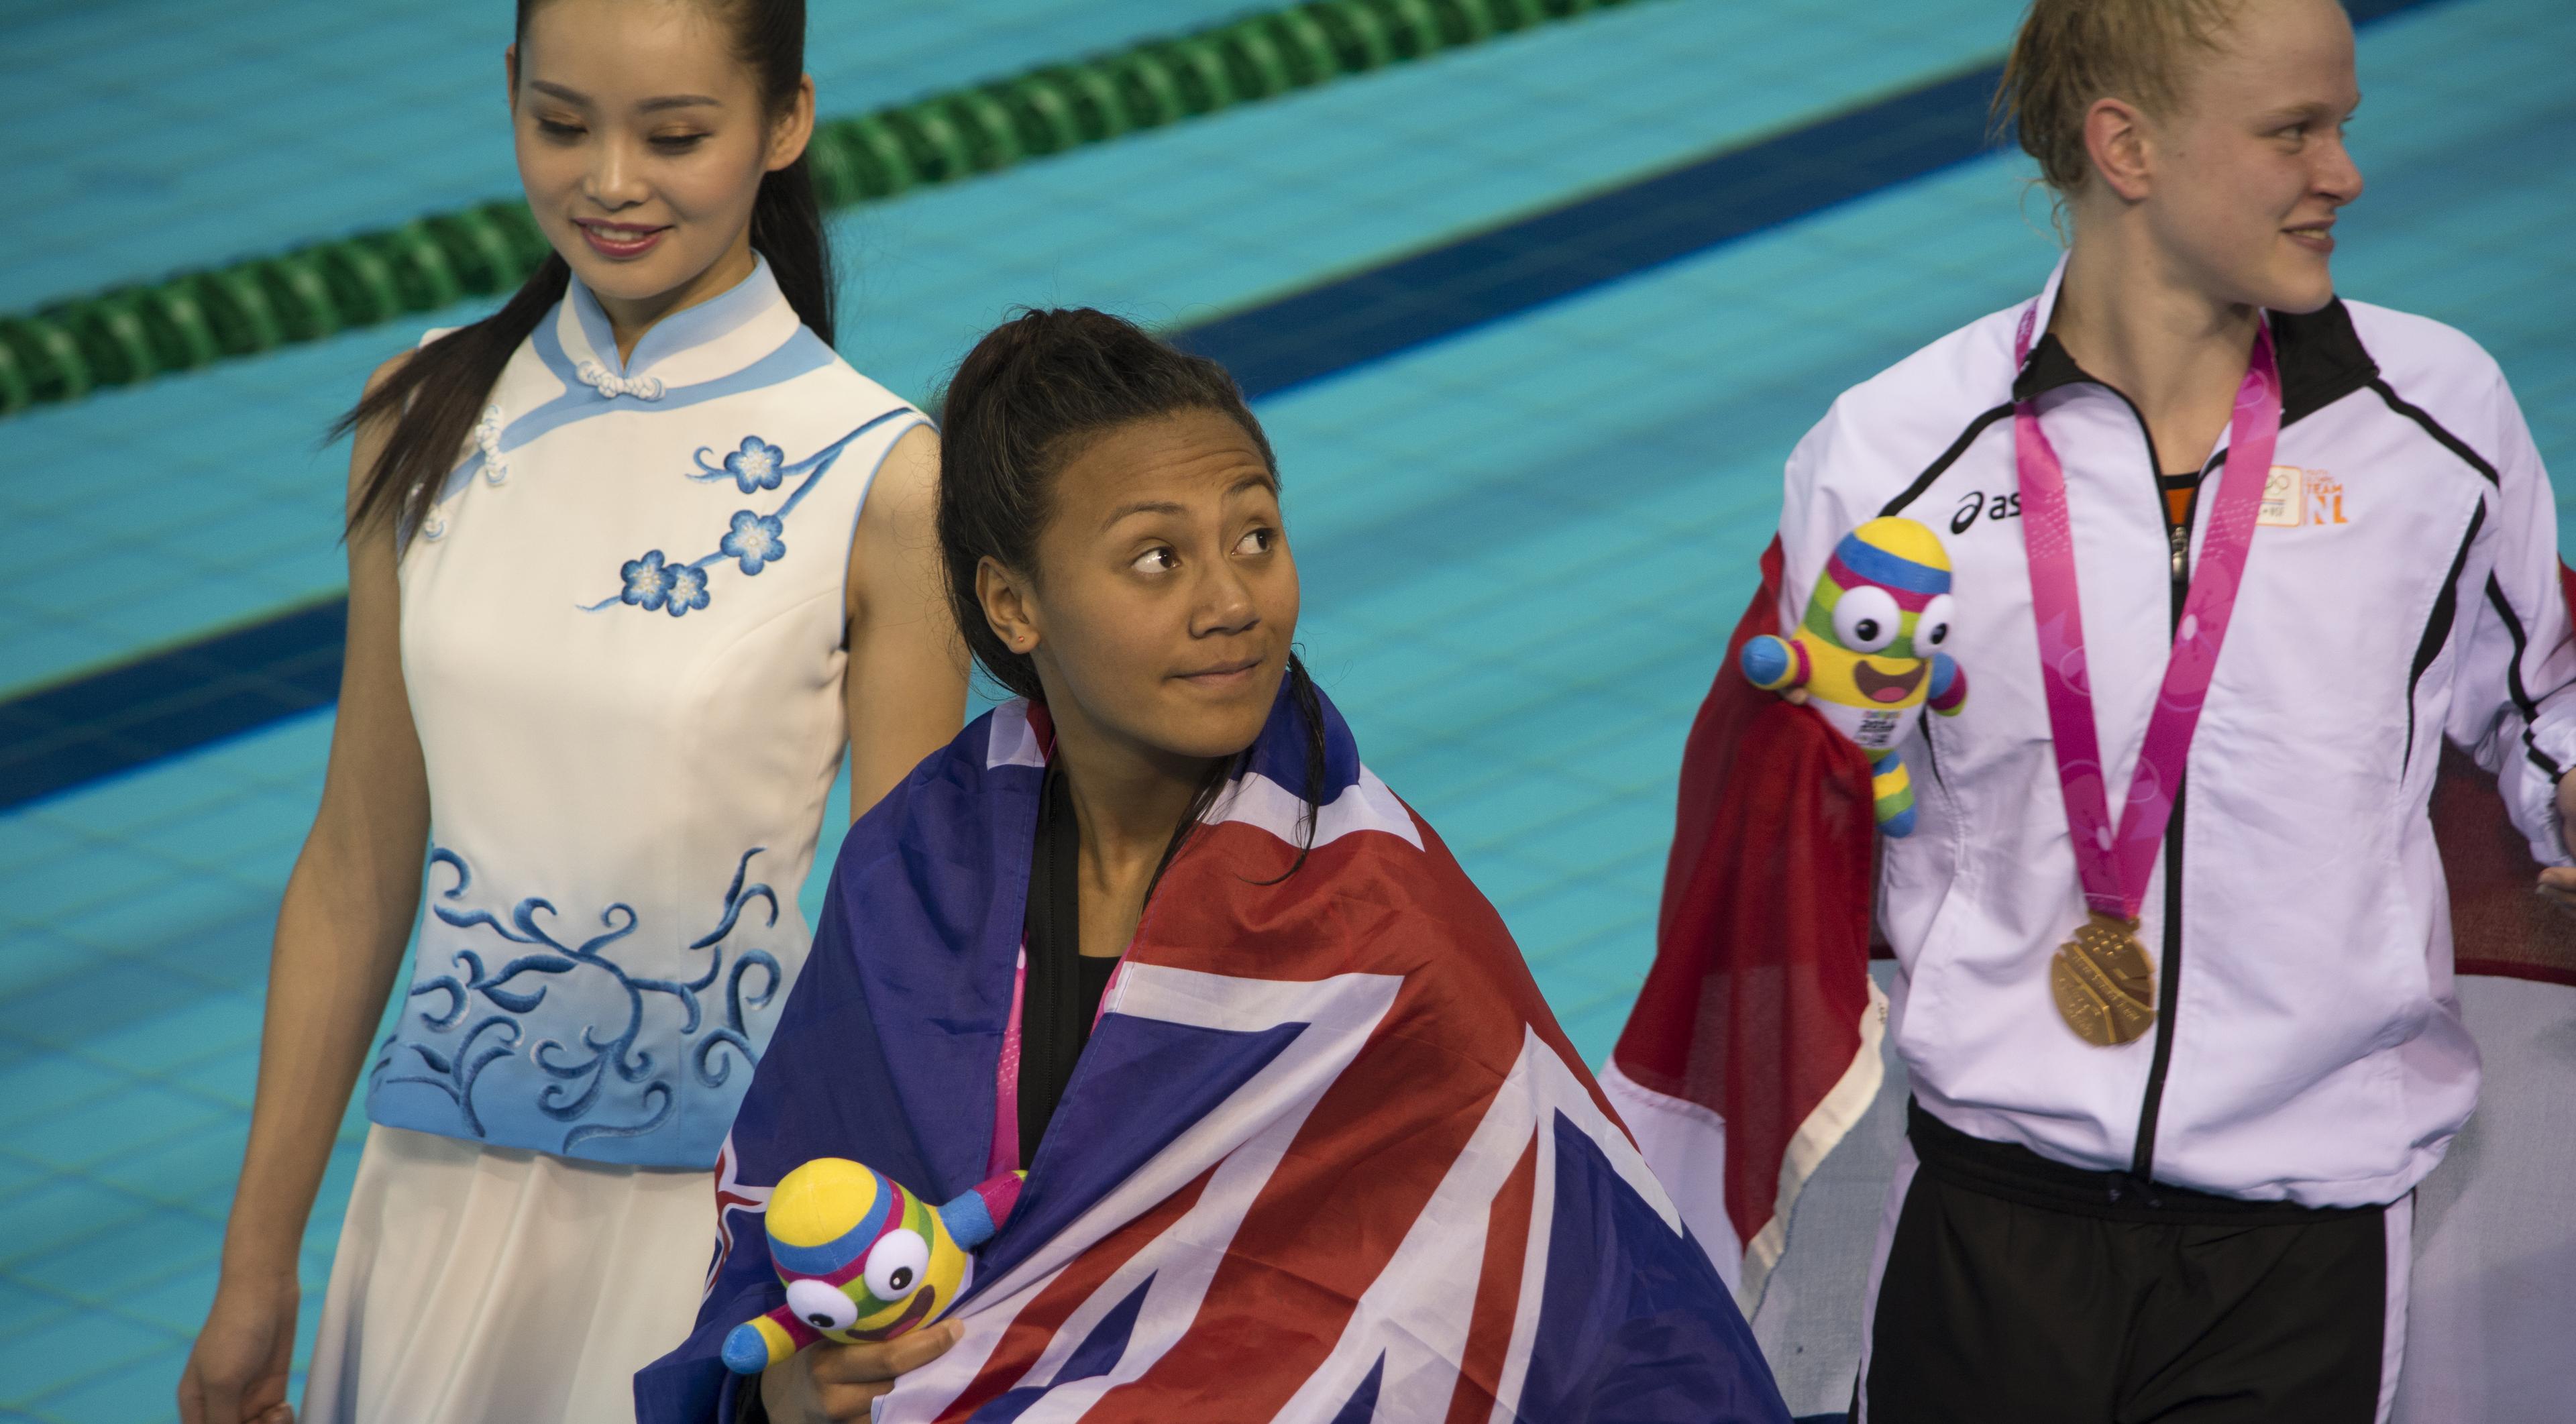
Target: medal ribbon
2114,863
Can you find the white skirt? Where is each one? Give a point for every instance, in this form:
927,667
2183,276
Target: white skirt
476,1284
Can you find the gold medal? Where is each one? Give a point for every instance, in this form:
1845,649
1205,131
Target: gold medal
2104,986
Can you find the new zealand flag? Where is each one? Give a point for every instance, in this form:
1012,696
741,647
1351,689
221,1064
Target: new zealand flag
1326,1155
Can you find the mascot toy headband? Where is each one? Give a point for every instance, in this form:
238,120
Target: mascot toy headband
1869,650
862,1258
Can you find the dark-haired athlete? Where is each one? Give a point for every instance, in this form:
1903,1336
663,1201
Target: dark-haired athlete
2232,558
610,629
1303,1143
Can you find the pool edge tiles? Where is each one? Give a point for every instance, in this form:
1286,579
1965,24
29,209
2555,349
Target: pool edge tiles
160,1074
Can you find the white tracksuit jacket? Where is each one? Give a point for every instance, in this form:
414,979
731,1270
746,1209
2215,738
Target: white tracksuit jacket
2403,587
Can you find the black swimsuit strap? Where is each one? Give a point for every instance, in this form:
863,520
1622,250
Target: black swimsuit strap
1052,1022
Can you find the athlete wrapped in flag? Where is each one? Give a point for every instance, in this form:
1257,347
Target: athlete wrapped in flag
1324,1154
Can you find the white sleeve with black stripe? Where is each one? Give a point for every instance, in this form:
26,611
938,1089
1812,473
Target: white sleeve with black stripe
2514,696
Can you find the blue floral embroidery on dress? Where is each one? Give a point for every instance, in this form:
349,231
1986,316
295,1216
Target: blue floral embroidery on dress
757,466
754,540
510,989
455,1072
688,589
648,583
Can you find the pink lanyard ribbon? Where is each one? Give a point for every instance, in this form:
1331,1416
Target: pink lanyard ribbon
1004,1154
2114,864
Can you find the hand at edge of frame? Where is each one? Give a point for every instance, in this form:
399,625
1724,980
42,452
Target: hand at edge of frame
2558,882
838,1383
237,1367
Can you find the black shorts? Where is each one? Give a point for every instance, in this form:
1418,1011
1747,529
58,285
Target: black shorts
2016,1290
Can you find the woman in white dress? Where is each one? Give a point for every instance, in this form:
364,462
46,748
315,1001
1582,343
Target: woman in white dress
629,562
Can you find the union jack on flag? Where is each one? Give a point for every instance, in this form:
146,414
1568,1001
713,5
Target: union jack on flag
1326,1155
731,1197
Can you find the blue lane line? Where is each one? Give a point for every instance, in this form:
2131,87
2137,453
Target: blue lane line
165,703
168,703
1502,272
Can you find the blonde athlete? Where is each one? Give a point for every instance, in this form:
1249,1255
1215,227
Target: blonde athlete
2232,557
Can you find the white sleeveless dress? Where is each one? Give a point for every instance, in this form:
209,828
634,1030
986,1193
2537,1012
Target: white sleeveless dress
622,635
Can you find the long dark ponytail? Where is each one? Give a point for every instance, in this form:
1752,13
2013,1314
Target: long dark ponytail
1018,409
435,397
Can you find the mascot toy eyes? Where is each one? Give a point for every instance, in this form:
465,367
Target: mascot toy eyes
1869,650
862,1259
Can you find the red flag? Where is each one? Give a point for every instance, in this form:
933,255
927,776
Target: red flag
1754,1043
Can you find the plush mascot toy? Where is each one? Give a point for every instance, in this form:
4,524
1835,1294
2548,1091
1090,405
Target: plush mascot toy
862,1258
1869,651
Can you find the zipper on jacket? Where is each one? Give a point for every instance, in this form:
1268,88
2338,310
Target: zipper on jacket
2142,1161
2142,1157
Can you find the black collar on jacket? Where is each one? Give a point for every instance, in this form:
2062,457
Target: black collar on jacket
2322,361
